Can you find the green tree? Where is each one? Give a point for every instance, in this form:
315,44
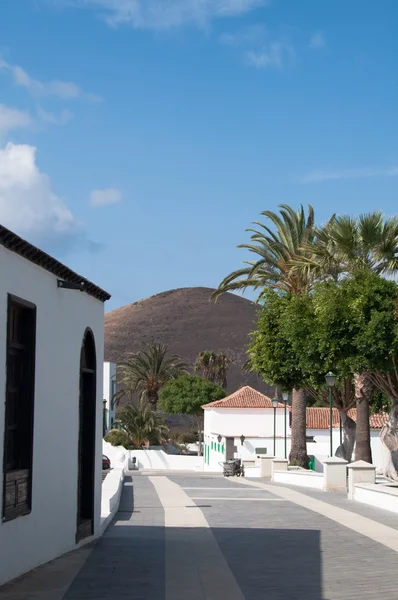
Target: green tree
272,356
345,246
147,371
186,395
357,331
288,349
285,240
142,424
213,366
374,324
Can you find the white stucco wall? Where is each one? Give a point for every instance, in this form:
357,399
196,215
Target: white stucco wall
108,391
249,422
320,448
257,425
62,318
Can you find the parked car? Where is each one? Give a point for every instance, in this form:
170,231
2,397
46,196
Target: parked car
106,463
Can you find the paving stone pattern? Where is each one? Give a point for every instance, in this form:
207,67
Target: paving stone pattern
273,549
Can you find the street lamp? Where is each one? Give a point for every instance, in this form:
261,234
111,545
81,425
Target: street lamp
285,396
330,381
242,439
275,406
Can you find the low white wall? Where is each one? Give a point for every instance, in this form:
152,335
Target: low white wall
252,472
111,491
150,459
377,495
159,460
303,479
118,455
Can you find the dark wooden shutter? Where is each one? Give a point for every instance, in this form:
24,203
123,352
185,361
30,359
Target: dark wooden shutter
19,410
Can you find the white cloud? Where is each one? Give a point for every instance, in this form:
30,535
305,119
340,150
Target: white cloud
317,41
356,173
271,56
249,35
261,48
28,204
48,117
167,14
13,118
105,197
61,89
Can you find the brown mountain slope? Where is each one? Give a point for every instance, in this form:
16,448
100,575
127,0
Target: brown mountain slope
188,323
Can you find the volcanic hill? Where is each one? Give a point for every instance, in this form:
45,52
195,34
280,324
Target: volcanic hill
188,322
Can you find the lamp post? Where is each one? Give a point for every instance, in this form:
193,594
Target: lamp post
330,381
275,406
285,396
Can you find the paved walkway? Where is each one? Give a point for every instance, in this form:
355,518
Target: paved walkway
203,537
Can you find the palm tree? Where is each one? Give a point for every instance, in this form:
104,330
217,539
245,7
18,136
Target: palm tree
276,252
344,246
146,372
142,424
213,366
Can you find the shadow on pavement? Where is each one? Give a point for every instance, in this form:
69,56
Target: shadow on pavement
129,561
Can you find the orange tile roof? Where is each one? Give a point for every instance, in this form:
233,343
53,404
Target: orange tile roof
318,418
246,397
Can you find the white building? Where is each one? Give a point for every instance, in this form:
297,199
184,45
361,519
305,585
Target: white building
51,352
242,426
109,390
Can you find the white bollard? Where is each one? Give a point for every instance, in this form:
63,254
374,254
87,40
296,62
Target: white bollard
360,472
279,464
265,464
335,474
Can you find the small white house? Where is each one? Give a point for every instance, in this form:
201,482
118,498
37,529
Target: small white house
242,426
51,376
109,390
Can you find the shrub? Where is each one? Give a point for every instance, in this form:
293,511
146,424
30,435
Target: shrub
116,437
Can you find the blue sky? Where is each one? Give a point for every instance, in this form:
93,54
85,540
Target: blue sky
139,139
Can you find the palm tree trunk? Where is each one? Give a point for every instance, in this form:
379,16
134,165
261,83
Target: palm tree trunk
199,424
389,441
153,397
346,449
298,452
363,387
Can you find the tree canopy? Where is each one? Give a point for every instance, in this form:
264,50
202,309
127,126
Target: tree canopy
146,371
347,326
187,394
142,424
213,365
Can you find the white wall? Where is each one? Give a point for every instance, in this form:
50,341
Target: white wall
62,318
159,460
108,391
320,448
249,422
260,423
257,425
